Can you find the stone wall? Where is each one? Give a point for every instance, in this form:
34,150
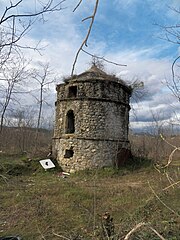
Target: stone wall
87,153
100,110
94,119
93,88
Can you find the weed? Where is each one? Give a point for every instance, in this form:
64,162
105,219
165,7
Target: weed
36,203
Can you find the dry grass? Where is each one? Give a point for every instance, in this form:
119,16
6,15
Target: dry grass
37,204
156,147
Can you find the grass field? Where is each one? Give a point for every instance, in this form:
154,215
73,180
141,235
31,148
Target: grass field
38,204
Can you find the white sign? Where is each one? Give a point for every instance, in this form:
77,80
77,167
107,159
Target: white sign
47,163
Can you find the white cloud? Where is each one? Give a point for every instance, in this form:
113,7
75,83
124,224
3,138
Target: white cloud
125,3
63,34
152,72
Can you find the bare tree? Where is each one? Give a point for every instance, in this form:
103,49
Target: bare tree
43,77
13,72
172,35
22,122
16,23
84,42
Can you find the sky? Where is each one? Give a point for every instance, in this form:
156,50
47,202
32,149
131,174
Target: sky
126,32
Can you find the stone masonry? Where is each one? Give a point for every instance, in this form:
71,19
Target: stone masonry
92,118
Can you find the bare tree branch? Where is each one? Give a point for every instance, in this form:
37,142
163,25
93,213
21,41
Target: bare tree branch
176,90
45,8
44,77
170,159
14,26
104,59
140,225
172,185
164,204
156,232
87,35
13,74
172,35
77,5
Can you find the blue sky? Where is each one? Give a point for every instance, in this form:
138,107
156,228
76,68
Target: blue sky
124,31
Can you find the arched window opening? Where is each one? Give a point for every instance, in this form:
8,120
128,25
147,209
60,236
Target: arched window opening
70,127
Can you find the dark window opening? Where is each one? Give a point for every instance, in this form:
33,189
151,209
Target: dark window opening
68,153
72,91
70,127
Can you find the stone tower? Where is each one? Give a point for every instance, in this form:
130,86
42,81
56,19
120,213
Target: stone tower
92,118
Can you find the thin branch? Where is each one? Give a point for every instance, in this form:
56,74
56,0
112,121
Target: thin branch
170,159
8,8
86,37
15,39
11,36
173,77
155,194
77,5
60,236
172,185
174,9
170,180
84,19
46,8
158,234
104,59
139,225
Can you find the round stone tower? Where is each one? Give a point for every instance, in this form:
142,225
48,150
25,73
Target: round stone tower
92,118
